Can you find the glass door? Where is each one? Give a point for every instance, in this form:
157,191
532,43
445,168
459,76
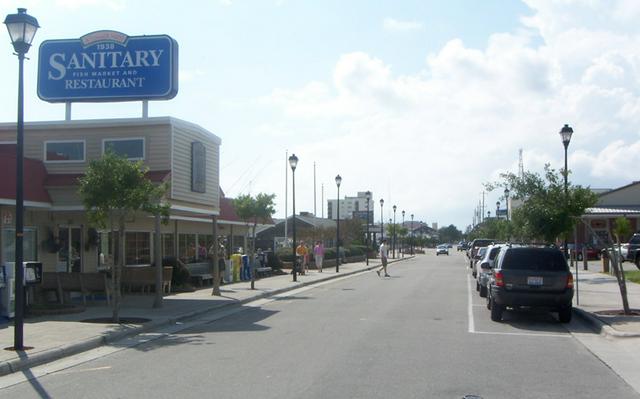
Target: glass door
70,249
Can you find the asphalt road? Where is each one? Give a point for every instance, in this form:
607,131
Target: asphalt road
423,333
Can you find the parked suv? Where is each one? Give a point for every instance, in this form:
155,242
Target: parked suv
633,252
530,277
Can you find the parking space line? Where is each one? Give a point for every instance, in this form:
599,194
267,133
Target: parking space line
546,335
472,326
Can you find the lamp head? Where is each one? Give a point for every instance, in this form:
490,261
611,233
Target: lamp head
565,134
338,180
381,202
293,162
22,29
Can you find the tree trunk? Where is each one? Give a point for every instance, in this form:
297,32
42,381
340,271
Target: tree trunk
622,281
214,258
252,258
112,248
118,272
157,255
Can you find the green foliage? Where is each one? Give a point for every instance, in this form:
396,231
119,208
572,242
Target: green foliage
115,184
258,209
546,212
622,228
449,234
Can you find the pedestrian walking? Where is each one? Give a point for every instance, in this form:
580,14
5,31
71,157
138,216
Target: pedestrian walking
384,253
318,255
301,254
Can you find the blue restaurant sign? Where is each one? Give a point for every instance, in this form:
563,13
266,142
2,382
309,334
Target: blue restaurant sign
108,66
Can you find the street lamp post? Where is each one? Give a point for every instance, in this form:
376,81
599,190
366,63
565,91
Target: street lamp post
338,181
506,201
402,243
565,134
293,162
368,196
394,231
488,214
381,220
412,235
22,28
497,208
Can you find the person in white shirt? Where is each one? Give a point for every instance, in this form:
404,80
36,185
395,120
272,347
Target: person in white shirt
384,252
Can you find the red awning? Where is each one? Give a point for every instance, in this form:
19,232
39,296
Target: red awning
35,175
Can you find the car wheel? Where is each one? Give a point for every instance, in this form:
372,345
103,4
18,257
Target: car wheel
637,262
483,291
477,286
488,302
579,257
496,311
564,314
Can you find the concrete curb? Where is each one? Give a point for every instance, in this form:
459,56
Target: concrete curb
50,355
601,327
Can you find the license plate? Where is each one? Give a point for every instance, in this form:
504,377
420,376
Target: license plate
534,280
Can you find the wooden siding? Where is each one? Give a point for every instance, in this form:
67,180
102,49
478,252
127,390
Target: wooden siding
183,136
626,196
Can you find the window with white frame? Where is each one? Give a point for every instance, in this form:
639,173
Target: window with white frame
137,248
130,148
64,151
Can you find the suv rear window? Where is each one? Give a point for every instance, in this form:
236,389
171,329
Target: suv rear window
482,243
547,259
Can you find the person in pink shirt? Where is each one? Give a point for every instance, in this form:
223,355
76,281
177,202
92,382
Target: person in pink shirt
318,255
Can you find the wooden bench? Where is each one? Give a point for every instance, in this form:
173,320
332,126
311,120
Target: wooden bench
144,278
84,283
200,272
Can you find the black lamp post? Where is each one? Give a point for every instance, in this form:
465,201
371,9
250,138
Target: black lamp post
293,162
497,208
394,231
412,235
368,196
402,243
22,28
338,181
506,201
381,220
488,214
565,134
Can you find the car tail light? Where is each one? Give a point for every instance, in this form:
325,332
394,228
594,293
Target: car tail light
499,279
569,281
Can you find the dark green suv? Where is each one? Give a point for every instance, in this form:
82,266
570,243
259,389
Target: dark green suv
530,277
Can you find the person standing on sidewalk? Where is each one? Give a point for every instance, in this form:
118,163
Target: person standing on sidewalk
384,252
301,252
318,255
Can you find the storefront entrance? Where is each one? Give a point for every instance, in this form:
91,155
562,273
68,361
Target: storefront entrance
70,252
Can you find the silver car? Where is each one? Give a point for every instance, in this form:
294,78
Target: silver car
484,266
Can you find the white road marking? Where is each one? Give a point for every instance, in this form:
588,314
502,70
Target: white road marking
472,326
546,335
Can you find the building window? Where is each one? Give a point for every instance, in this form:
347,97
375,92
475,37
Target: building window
64,151
137,247
168,247
198,167
187,248
130,148
29,244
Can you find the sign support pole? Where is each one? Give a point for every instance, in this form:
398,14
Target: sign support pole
145,109
67,111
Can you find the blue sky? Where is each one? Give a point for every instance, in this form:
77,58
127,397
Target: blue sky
420,102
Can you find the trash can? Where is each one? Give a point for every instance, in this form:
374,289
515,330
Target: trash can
236,260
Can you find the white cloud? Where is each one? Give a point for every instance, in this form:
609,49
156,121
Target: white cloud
394,25
460,121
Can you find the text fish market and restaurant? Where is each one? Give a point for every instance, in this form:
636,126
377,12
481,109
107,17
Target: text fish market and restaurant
108,66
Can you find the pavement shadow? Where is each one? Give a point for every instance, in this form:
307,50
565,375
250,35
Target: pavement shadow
248,320
533,320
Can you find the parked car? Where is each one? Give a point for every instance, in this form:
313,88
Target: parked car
476,260
473,248
530,277
462,246
442,249
633,251
484,267
593,253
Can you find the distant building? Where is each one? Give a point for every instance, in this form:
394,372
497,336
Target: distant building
351,207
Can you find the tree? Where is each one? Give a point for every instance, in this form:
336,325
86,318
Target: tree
449,234
621,229
113,190
546,213
253,210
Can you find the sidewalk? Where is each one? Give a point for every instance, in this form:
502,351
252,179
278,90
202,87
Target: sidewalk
55,337
597,292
